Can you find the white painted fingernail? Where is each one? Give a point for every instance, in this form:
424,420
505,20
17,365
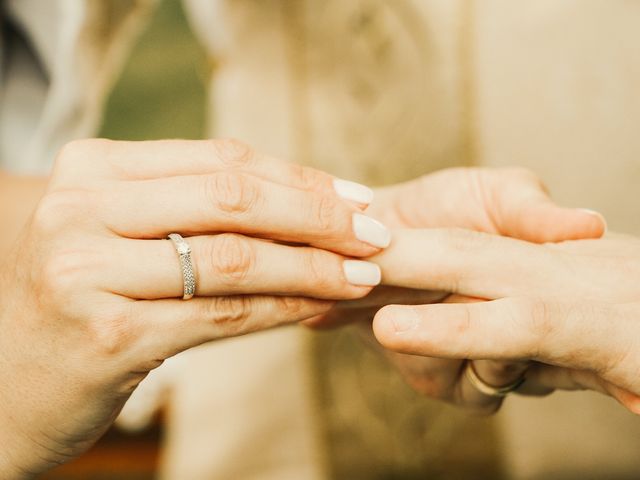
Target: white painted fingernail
353,191
365,274
371,231
597,214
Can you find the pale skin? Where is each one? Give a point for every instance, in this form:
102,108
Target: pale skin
562,313
572,308
90,292
507,202
86,312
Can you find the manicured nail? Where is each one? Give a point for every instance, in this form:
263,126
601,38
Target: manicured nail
404,319
371,231
353,191
358,272
597,214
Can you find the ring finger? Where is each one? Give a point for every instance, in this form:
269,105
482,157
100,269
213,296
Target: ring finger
494,375
231,264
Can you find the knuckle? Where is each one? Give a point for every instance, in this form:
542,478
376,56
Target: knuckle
535,314
56,208
292,307
317,276
64,274
231,193
232,257
232,313
76,151
233,153
323,212
309,178
541,321
462,240
110,334
71,152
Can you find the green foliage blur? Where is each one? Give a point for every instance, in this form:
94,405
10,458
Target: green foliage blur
161,93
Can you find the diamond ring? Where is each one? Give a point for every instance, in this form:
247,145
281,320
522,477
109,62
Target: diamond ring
188,275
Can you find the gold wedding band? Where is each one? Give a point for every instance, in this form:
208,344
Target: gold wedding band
489,390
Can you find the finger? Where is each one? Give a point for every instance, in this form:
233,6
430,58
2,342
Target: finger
500,373
470,263
241,203
171,326
506,201
495,374
543,379
349,311
169,158
522,209
571,336
230,264
432,377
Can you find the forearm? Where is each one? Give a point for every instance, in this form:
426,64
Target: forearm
18,197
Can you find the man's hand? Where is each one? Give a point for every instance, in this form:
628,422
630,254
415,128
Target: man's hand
571,307
509,202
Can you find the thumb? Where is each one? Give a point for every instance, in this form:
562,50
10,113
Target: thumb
522,209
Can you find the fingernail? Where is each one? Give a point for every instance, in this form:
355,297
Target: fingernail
404,319
353,191
597,214
371,231
358,272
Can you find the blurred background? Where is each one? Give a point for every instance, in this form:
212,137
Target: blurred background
381,91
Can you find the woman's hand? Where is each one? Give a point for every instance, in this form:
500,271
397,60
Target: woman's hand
511,202
90,295
573,307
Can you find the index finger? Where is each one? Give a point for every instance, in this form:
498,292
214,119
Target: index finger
154,159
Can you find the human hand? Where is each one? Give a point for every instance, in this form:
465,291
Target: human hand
572,307
510,202
90,294
506,201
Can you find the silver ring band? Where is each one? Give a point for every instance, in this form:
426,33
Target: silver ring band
489,390
186,265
